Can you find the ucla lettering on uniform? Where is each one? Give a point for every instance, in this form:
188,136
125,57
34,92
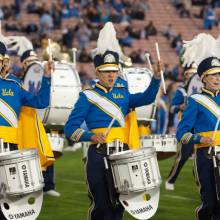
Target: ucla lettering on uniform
117,96
7,92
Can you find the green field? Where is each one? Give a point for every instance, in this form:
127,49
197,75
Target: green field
73,203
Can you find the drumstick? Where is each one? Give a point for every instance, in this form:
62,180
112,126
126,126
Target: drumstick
110,125
74,56
50,59
147,56
161,72
215,132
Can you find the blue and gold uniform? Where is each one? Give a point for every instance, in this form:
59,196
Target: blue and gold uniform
97,107
13,96
200,116
96,116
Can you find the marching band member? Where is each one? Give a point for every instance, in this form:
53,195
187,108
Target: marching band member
178,104
28,58
200,116
12,98
108,99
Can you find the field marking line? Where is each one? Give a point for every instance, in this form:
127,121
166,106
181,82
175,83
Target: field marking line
179,197
74,181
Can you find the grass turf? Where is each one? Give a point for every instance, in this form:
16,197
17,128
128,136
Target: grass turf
73,203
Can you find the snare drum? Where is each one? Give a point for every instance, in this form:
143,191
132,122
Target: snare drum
169,143
138,80
57,144
65,88
20,172
155,141
165,145
135,171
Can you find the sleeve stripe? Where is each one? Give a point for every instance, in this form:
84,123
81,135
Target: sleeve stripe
77,134
186,138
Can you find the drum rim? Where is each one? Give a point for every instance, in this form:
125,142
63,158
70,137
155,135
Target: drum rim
24,153
132,153
33,189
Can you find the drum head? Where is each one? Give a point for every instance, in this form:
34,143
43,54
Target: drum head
194,85
18,154
138,80
33,77
65,88
132,153
32,81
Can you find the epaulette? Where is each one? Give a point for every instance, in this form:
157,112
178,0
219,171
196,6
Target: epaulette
14,81
195,93
86,89
121,83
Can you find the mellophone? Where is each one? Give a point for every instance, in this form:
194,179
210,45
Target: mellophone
21,183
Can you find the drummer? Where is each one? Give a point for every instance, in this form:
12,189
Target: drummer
13,97
178,104
28,58
97,107
200,116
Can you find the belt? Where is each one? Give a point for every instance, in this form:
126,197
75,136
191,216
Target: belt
105,149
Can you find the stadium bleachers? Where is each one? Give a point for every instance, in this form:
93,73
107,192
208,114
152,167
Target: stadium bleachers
161,12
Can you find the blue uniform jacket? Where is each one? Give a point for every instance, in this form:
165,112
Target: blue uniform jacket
197,117
15,78
95,117
178,99
14,96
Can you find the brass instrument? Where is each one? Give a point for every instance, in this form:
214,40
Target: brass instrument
57,54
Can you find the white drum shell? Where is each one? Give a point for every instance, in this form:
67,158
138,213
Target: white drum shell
155,141
162,143
20,172
138,80
135,171
169,143
65,88
57,142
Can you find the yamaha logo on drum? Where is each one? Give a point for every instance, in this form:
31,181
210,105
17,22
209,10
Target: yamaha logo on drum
147,173
141,210
25,174
22,214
